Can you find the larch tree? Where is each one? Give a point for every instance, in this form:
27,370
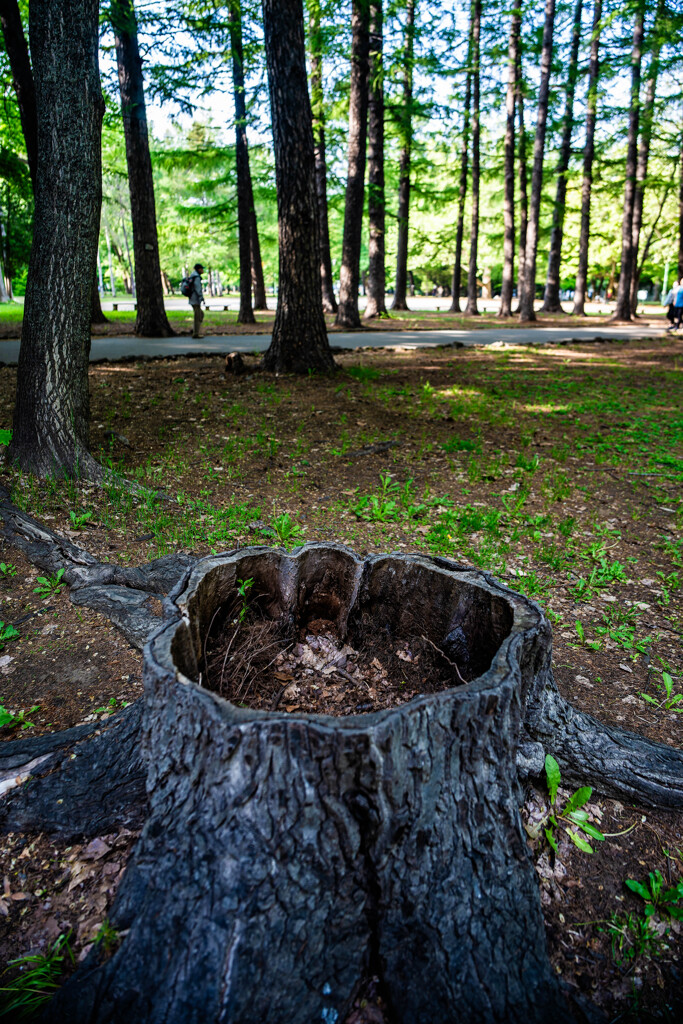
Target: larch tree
509,168
349,276
646,126
317,104
405,130
551,298
257,281
244,190
151,320
471,307
299,340
462,186
527,284
51,416
22,78
376,304
623,305
522,173
588,157
680,217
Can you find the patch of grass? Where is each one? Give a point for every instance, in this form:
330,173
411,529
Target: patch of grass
36,979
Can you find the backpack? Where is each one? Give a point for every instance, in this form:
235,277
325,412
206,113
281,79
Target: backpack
186,287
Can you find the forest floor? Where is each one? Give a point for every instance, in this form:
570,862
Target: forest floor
559,470
219,321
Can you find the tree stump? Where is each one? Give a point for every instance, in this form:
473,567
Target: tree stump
286,856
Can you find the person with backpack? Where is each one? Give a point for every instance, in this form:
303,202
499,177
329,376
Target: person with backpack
191,287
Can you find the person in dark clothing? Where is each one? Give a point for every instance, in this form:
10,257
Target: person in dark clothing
678,309
196,298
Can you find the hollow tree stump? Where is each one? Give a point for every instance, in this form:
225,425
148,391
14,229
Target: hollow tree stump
288,856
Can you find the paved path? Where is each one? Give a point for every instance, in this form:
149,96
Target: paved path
124,348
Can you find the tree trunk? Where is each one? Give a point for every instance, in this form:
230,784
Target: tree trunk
509,193
588,155
112,279
287,856
51,417
317,106
96,313
680,220
349,276
462,186
471,307
244,197
257,283
551,299
623,307
405,128
299,341
22,79
522,173
527,285
151,320
644,151
376,304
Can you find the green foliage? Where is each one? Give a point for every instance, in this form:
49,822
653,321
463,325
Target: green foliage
632,938
243,588
10,721
573,817
670,701
5,437
8,569
35,980
79,521
50,586
286,528
7,632
658,897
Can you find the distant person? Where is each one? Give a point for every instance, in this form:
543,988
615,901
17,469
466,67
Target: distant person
196,297
669,300
678,309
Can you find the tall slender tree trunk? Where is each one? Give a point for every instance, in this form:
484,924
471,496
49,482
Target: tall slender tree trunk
623,307
96,313
680,220
112,279
376,286
509,193
349,277
257,282
471,307
522,173
644,150
22,78
588,156
406,134
51,416
551,299
128,261
246,312
299,341
462,185
151,318
528,284
317,105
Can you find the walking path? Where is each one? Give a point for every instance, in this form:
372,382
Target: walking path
127,347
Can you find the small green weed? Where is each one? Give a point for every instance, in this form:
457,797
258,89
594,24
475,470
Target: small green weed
40,975
112,705
50,586
7,719
7,632
572,816
286,528
671,701
79,521
107,937
5,437
243,588
631,938
8,569
459,444
658,897
363,374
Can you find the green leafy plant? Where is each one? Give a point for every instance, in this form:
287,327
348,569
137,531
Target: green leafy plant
286,528
8,569
113,705
7,632
50,586
363,373
5,437
12,721
459,444
572,817
243,588
671,701
107,937
40,975
631,938
657,896
79,521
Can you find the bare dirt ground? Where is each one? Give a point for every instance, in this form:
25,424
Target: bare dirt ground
559,470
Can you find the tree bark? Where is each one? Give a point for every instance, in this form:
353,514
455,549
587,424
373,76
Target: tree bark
317,105
680,219
376,286
623,306
96,313
257,282
51,417
471,307
349,276
406,136
522,174
527,285
509,170
646,124
462,187
287,856
588,156
551,299
22,79
151,320
244,196
299,341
